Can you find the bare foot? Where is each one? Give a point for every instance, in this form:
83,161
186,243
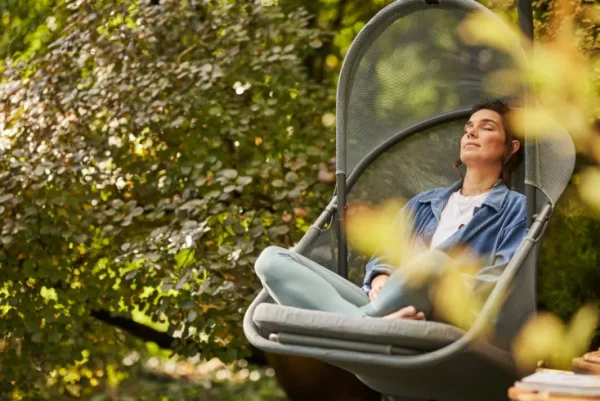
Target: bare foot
408,312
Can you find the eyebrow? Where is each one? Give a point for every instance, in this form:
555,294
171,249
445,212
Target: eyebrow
484,120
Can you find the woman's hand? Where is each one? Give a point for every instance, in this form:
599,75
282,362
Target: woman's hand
377,285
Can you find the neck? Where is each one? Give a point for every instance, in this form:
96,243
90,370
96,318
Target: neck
478,181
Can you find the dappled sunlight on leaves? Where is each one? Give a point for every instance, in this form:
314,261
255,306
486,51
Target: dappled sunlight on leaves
144,149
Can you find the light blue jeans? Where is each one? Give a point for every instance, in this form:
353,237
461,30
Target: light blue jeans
294,280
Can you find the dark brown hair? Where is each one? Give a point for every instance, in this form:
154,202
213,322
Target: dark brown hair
509,163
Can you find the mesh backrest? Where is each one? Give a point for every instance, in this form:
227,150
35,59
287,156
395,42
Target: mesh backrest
550,163
418,163
408,168
409,65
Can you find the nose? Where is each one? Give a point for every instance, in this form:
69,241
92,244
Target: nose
471,132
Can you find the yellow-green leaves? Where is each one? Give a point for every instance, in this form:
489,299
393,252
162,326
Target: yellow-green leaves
384,231
589,187
545,338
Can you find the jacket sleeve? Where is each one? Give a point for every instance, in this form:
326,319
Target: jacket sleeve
378,264
483,282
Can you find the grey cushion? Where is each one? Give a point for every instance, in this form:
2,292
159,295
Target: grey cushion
419,335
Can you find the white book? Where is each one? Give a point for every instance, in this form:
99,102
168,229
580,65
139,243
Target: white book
561,383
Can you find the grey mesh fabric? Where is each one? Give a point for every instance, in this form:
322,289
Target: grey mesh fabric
550,162
404,93
404,69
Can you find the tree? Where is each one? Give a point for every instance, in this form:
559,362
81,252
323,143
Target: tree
149,154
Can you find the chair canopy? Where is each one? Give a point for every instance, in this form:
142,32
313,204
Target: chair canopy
409,66
405,91
404,95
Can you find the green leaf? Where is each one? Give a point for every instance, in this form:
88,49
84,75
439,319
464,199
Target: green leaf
184,279
294,193
239,229
291,177
37,337
313,151
192,315
278,230
184,258
229,173
256,232
54,336
244,180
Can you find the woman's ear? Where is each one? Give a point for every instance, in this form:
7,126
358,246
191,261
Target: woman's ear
516,145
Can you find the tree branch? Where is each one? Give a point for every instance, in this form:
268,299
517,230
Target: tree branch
163,340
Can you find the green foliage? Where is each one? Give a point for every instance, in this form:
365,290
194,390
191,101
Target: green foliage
570,259
27,25
148,155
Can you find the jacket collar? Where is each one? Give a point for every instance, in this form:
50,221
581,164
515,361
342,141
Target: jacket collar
439,197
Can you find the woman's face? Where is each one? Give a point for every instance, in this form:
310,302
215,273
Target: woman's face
484,140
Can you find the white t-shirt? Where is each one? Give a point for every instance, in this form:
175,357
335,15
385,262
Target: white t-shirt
456,214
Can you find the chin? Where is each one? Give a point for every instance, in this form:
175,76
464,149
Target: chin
465,157
470,160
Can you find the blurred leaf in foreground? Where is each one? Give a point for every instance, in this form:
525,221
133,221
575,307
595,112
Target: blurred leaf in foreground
384,231
545,338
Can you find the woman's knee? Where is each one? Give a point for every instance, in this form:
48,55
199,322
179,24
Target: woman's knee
269,262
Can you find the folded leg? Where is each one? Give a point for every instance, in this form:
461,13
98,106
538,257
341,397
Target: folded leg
294,280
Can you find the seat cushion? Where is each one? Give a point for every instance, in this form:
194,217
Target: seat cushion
420,335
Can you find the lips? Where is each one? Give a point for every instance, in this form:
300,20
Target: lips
471,144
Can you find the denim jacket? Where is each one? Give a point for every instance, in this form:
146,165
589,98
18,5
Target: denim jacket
492,235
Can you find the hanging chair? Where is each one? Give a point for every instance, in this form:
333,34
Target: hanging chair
405,91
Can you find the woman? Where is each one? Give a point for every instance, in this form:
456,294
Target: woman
478,212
